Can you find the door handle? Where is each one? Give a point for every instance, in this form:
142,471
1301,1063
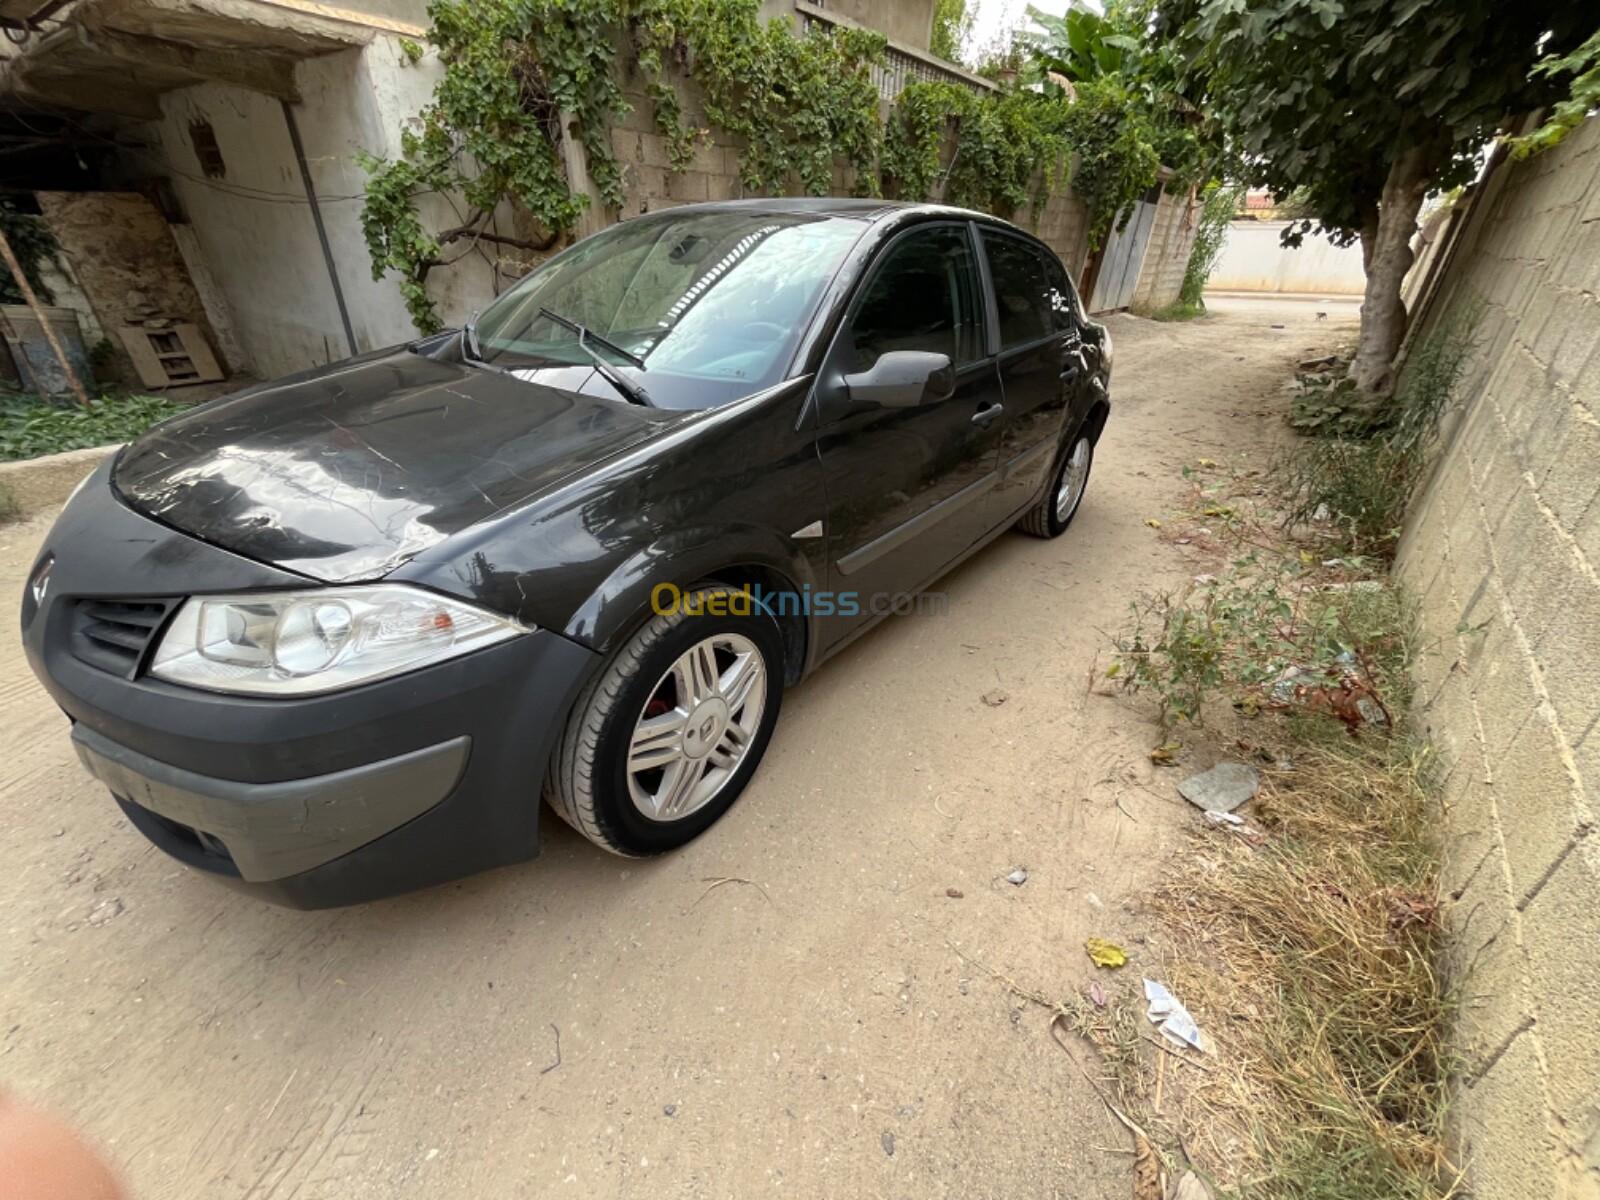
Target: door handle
987,414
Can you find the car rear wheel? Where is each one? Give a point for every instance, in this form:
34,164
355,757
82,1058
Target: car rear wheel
666,737
1050,517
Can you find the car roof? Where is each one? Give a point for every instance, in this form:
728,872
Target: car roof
860,208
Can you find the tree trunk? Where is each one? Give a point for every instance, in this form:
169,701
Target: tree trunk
1369,236
1386,251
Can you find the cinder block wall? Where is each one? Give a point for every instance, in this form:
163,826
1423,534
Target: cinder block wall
1503,547
1167,257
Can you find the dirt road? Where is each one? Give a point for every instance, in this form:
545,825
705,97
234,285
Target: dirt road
591,1027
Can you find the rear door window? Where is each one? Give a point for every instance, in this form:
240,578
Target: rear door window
1065,310
1021,290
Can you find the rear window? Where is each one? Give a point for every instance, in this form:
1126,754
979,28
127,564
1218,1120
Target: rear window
1021,290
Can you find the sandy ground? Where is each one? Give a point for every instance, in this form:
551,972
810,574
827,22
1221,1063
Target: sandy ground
586,1026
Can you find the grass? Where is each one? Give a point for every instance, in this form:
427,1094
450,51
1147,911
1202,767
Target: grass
1286,632
1178,311
10,510
30,427
1310,945
1355,485
1319,950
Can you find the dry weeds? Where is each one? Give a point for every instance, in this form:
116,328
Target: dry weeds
1313,959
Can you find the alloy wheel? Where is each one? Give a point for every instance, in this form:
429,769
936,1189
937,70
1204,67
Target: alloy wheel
697,726
1074,476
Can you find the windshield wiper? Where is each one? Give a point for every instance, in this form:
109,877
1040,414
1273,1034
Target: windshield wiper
632,391
469,340
567,323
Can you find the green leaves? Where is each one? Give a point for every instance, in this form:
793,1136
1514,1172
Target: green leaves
1325,95
1117,160
1583,64
521,75
34,245
30,427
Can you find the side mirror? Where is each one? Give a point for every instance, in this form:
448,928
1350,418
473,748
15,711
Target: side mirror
903,379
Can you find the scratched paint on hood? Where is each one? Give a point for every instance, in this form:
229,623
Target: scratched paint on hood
345,473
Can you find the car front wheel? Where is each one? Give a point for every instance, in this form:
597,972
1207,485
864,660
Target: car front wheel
666,737
1050,517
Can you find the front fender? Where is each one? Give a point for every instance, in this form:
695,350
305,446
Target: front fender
683,557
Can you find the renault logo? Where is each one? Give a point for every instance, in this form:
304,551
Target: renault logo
40,582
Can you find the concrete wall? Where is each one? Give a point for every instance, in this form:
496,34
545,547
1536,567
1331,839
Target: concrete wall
1254,260
1503,546
909,22
1166,257
255,228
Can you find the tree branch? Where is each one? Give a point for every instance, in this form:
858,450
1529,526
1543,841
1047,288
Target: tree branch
472,229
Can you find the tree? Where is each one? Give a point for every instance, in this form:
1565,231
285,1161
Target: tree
952,23
1367,105
1081,44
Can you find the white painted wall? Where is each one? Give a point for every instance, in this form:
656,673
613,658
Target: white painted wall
1254,260
255,228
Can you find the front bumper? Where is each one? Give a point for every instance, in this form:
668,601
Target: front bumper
263,832
314,801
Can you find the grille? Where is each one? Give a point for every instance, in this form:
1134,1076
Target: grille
114,635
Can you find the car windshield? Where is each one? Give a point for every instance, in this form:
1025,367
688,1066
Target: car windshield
711,302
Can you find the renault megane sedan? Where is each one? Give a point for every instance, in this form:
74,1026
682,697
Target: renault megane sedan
335,636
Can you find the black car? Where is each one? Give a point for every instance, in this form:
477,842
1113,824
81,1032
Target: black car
334,636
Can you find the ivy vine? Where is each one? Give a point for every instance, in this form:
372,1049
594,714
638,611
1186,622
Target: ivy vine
1117,161
799,103
34,245
521,76
1011,148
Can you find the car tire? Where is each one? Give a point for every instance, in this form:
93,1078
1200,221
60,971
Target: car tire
1054,512
661,674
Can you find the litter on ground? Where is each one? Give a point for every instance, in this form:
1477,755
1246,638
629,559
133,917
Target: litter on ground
1166,1011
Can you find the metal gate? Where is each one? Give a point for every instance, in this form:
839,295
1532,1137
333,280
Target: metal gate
1124,255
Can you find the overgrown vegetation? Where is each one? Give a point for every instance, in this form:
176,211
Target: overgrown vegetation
1274,632
34,245
1320,943
30,427
1355,477
1311,933
520,78
1309,936
1583,64
1009,149
952,23
1218,202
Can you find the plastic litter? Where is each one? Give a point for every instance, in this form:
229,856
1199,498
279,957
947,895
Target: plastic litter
1105,954
1223,788
1166,1011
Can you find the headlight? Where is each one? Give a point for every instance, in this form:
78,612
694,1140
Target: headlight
1105,349
304,642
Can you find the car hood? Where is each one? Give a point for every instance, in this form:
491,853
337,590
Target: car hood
346,472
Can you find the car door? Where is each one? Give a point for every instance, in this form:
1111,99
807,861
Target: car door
1040,363
906,486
